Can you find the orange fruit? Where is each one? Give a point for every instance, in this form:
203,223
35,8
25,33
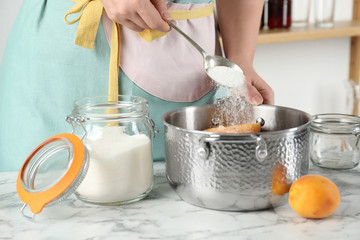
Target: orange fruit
241,128
314,196
279,185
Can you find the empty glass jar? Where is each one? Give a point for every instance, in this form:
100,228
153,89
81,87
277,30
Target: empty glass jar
334,141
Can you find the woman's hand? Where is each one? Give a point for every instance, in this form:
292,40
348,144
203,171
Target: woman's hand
258,90
239,23
139,14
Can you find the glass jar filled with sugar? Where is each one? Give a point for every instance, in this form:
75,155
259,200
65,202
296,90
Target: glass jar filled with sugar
118,135
105,160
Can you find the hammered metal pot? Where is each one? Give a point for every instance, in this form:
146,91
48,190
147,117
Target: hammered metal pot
235,172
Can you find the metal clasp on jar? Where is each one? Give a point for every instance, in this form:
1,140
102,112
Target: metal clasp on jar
357,134
154,130
78,121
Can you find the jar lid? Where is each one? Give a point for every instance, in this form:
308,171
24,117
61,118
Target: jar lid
336,124
52,172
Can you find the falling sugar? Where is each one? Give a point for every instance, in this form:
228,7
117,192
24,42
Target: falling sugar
232,110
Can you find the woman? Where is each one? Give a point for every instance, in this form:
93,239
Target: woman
43,72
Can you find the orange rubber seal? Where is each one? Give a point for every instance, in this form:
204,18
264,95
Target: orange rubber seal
38,200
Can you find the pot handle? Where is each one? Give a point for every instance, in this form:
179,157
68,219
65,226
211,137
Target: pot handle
261,151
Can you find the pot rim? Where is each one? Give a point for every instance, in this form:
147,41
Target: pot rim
288,131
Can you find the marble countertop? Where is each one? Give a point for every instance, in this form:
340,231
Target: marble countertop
163,215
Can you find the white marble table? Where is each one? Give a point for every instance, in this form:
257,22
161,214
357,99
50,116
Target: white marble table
165,216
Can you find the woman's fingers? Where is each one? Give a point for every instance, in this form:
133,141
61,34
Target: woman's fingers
265,91
139,22
139,14
152,13
161,6
258,90
254,96
132,25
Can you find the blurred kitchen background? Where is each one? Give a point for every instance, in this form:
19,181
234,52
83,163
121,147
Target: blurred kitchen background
309,75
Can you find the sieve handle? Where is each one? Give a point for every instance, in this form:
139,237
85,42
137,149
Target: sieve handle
261,150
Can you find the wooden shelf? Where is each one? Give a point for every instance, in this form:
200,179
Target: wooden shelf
340,29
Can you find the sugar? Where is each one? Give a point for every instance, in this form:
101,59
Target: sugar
227,77
232,110
120,167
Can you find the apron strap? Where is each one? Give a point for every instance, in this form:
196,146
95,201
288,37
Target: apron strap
89,20
114,62
194,13
150,34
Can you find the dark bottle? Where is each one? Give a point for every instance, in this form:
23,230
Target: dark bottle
279,13
262,20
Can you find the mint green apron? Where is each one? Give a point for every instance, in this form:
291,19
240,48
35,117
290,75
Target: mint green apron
43,72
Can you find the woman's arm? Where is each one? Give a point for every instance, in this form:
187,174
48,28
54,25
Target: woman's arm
239,23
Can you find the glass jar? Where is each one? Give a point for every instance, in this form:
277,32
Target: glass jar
106,159
334,141
117,135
